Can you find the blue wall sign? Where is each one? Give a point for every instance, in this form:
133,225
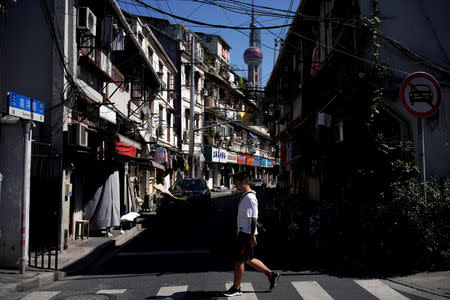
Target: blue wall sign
25,107
19,106
37,110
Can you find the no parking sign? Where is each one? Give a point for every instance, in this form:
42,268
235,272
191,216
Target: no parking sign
420,94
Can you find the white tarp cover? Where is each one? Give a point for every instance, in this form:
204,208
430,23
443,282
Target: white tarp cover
103,207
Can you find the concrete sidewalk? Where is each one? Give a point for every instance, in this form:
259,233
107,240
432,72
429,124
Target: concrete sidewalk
429,285
79,255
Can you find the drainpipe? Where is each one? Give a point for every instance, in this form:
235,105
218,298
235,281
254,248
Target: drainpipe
25,196
1,179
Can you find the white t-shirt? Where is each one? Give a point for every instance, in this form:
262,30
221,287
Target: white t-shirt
248,208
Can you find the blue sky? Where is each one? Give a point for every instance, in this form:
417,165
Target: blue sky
235,13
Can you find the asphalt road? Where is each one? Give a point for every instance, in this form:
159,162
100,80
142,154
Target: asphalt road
182,257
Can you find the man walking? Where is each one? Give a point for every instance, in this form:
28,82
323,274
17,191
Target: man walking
246,238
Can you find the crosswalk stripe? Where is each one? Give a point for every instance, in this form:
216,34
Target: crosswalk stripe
380,290
311,290
172,292
248,293
117,291
40,295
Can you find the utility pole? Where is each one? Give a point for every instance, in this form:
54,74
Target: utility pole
25,195
192,116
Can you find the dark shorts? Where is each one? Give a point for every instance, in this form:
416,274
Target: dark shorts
243,250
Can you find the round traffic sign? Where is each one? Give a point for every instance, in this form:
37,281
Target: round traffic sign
420,94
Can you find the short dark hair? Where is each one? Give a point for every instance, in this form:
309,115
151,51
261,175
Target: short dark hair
241,176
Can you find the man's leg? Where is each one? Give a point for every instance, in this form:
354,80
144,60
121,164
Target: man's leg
238,273
259,266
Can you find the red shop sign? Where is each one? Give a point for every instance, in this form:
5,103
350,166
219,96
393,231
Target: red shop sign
125,149
242,159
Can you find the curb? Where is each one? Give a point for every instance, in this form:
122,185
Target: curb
103,251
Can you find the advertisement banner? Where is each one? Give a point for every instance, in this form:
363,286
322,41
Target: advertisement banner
242,159
269,163
232,158
250,160
257,161
263,162
219,155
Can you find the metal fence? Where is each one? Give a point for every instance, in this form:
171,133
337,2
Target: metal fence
45,207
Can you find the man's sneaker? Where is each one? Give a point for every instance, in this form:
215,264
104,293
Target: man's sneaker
232,291
274,279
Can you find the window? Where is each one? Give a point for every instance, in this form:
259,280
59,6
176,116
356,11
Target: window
168,121
140,39
160,125
136,88
187,114
187,75
150,55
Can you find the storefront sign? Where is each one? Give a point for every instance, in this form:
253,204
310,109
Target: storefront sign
278,163
242,159
232,157
219,155
125,149
269,163
263,162
250,160
257,161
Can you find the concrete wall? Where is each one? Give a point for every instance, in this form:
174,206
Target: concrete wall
422,27
26,60
11,167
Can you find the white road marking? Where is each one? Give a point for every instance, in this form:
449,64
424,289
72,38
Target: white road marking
172,292
380,290
41,295
117,291
248,293
311,290
155,253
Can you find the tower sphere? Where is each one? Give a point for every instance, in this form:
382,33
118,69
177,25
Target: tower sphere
253,54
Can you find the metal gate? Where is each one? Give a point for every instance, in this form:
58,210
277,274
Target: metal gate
45,207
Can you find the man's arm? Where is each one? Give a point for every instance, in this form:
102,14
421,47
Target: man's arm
253,223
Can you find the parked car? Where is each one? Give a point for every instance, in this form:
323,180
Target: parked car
258,183
189,197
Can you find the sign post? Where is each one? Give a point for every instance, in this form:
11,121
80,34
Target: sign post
28,110
420,94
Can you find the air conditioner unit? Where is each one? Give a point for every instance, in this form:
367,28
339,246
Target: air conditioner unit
78,134
339,132
87,21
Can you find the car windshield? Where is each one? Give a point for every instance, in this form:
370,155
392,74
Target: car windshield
189,185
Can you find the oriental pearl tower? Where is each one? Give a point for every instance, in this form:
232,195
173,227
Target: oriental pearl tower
253,55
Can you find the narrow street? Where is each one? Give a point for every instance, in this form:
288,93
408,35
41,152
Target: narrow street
190,259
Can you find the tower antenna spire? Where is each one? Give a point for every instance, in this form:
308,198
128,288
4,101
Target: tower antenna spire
253,11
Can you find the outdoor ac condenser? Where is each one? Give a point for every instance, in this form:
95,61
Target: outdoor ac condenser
78,134
87,21
339,132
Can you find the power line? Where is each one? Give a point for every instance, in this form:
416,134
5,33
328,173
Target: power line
203,23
